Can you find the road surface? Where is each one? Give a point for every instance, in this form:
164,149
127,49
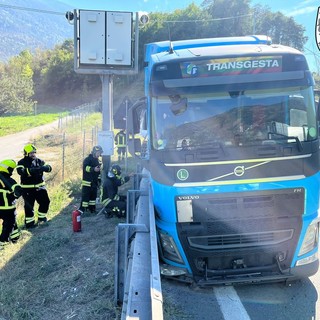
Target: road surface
11,146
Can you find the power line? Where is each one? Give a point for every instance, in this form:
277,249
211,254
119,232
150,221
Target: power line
31,9
203,20
172,21
315,55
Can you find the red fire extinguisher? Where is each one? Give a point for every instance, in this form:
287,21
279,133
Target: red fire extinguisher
76,220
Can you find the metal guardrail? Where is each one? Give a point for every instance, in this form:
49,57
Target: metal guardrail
137,271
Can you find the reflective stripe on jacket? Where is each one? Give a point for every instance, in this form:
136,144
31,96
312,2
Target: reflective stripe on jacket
8,187
31,172
120,139
90,178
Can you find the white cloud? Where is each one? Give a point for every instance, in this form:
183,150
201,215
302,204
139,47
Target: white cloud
306,3
303,7
302,11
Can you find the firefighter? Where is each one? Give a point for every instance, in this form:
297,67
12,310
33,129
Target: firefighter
91,180
120,141
10,190
111,200
31,169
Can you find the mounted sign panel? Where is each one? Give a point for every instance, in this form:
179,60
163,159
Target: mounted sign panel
119,35
105,42
92,37
106,141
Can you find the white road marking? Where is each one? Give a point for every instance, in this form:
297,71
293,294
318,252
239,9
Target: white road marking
230,304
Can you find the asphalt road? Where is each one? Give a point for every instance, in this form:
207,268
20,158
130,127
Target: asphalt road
11,146
299,301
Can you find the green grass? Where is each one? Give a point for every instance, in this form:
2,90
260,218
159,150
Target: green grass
13,124
60,274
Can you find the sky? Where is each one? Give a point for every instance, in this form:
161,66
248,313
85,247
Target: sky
303,11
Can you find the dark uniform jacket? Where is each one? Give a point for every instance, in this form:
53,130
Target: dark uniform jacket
31,171
110,188
10,190
90,177
120,139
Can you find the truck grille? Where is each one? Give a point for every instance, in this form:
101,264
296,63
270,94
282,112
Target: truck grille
232,241
254,227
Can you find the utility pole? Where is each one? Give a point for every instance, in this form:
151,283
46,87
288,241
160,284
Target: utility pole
107,118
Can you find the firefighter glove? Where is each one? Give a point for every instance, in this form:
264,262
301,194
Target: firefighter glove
47,168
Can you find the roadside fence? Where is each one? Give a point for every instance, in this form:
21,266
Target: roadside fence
71,142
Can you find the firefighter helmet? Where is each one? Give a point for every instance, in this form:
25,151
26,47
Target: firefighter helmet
7,166
114,170
29,148
96,149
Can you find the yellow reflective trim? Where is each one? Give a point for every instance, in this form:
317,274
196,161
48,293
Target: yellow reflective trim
15,234
244,181
88,168
32,185
41,215
7,207
194,164
14,186
6,204
105,202
86,183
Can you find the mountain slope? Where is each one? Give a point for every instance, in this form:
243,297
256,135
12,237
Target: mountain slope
32,24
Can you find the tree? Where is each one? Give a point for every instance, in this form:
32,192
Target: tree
16,85
282,30
50,74
231,18
316,78
57,75
190,23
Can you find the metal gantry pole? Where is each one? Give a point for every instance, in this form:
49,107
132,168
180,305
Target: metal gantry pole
126,152
107,115
63,153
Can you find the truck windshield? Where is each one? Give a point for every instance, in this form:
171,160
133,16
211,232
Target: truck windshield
237,118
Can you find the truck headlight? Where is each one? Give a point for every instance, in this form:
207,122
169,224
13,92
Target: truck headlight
311,239
169,248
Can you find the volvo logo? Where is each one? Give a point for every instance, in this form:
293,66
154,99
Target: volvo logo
239,171
188,197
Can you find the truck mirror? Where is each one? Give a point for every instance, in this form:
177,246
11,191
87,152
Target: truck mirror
136,115
134,147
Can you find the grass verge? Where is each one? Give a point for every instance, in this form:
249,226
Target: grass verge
52,272
15,124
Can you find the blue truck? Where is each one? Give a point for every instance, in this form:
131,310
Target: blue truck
228,131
